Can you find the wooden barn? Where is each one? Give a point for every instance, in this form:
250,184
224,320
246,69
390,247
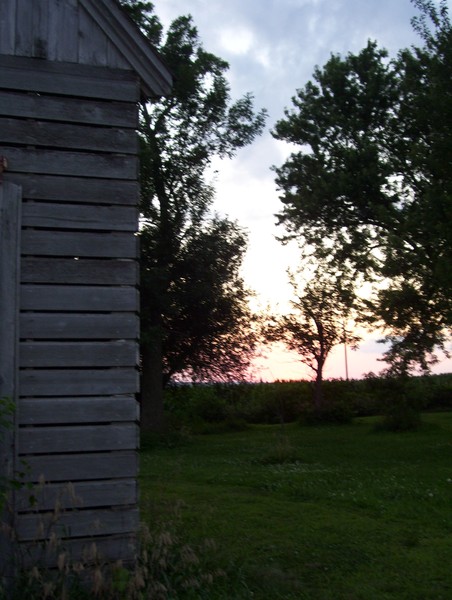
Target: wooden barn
71,75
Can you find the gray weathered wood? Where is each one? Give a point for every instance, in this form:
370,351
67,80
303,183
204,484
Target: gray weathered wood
10,211
92,438
7,27
93,44
47,411
55,496
40,28
75,216
78,298
69,382
69,110
61,135
81,467
83,271
155,78
67,243
45,326
10,207
75,189
68,79
24,28
63,16
114,353
77,523
83,164
68,130
96,32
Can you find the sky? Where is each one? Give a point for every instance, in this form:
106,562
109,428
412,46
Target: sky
272,47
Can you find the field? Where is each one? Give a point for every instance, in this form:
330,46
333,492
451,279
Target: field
324,513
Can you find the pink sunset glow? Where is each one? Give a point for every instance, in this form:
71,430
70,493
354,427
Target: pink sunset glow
282,364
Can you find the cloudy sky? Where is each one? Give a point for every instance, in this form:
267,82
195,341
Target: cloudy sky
272,47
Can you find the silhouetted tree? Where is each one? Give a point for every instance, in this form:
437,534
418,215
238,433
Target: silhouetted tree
371,184
195,319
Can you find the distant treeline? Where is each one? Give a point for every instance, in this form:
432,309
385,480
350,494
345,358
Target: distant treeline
288,401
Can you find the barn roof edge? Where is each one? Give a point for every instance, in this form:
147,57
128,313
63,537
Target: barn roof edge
155,77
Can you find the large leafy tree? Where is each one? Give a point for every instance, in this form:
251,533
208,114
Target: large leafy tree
371,185
196,320
209,330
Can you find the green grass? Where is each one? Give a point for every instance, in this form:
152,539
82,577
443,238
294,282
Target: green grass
322,513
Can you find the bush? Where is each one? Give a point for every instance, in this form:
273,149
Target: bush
229,405
402,399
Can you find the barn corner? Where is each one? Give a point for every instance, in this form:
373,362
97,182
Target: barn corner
71,75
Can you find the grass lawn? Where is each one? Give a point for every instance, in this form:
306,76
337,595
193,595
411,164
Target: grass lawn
322,513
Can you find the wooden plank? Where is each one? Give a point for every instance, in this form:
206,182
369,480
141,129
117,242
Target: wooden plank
76,298
84,494
93,46
73,382
84,326
47,411
63,16
81,164
156,79
10,218
62,135
10,207
115,58
77,523
76,216
76,189
40,28
69,110
79,244
81,467
7,27
24,28
92,550
91,438
117,353
67,79
83,271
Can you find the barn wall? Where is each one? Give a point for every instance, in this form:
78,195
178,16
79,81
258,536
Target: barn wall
68,132
56,31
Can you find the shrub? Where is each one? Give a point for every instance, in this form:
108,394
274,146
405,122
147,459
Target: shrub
400,417
401,401
338,413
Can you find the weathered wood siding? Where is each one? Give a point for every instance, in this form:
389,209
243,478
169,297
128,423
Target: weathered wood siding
85,32
34,28
68,132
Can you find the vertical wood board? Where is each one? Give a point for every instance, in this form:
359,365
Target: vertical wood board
10,210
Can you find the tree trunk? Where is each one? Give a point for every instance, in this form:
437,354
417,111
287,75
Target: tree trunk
152,414
318,391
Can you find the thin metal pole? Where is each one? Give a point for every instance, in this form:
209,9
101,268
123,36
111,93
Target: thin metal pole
345,354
